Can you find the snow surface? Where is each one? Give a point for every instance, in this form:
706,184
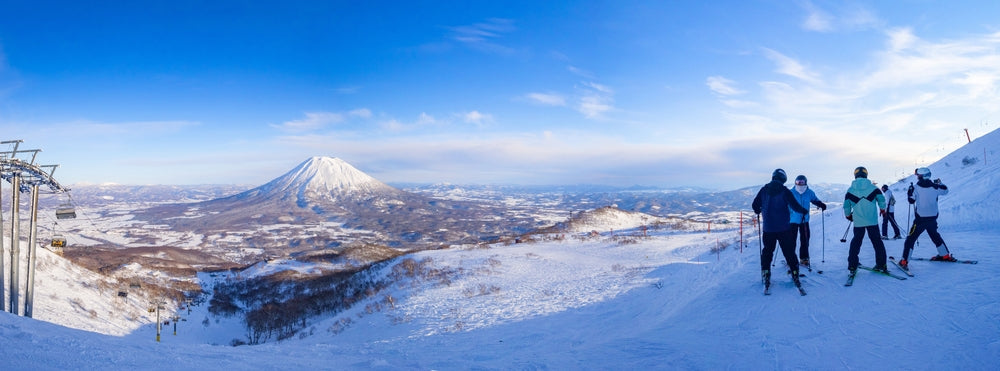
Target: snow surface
669,301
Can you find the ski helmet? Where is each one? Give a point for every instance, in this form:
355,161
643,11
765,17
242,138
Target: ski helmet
860,172
779,175
924,172
800,178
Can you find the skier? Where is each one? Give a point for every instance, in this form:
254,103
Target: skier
799,221
890,214
925,200
862,204
774,201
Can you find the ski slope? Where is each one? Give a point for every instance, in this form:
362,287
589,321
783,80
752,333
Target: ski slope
666,302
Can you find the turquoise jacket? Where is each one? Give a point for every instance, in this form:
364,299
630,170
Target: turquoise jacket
863,202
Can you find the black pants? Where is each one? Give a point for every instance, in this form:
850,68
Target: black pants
787,241
889,217
859,233
802,230
921,224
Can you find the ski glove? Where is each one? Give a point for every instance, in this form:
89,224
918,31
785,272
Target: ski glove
850,217
881,212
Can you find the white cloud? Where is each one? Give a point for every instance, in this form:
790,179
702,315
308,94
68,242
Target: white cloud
816,19
789,66
547,99
362,113
722,85
595,100
425,119
312,121
839,16
484,36
476,117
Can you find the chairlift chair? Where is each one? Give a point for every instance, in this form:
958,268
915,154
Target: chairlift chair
58,241
66,211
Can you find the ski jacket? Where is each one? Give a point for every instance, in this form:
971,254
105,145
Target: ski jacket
890,201
803,199
863,201
925,197
775,202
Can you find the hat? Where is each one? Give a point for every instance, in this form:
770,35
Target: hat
860,172
923,172
779,175
800,178
885,187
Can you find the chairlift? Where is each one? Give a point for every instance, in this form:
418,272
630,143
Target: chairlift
58,241
65,211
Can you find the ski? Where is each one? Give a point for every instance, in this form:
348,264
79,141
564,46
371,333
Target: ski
850,279
802,291
896,276
767,291
894,262
946,261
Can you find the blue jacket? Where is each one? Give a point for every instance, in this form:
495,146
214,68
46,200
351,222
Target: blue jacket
775,202
803,200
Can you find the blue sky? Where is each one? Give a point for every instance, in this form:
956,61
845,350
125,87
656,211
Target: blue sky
660,93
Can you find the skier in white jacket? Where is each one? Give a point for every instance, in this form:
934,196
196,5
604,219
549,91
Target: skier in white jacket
924,197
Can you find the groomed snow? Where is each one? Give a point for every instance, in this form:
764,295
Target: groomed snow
666,302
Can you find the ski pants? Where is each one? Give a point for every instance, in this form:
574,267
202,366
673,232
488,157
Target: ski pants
890,217
786,239
859,234
921,224
802,230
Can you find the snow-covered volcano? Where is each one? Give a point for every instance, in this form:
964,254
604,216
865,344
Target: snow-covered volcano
321,178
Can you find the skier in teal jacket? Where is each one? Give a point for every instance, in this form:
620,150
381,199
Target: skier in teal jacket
862,204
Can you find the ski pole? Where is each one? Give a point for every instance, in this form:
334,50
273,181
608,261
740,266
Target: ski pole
760,240
844,239
824,236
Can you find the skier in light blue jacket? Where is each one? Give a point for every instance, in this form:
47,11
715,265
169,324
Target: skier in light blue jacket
799,221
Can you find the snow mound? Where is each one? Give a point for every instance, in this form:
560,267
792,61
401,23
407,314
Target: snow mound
609,218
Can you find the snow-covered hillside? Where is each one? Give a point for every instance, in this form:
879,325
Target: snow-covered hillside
669,301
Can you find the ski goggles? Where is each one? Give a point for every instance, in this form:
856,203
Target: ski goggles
800,182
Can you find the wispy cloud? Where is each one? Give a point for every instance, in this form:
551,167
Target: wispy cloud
595,100
361,112
476,117
840,16
484,36
547,99
789,66
909,94
312,121
816,19
722,86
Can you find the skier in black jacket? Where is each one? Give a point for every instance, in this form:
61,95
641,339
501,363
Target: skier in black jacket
774,201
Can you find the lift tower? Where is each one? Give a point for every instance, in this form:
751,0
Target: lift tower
18,167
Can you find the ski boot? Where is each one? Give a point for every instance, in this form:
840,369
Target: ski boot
904,264
804,262
766,275
881,269
945,258
795,278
